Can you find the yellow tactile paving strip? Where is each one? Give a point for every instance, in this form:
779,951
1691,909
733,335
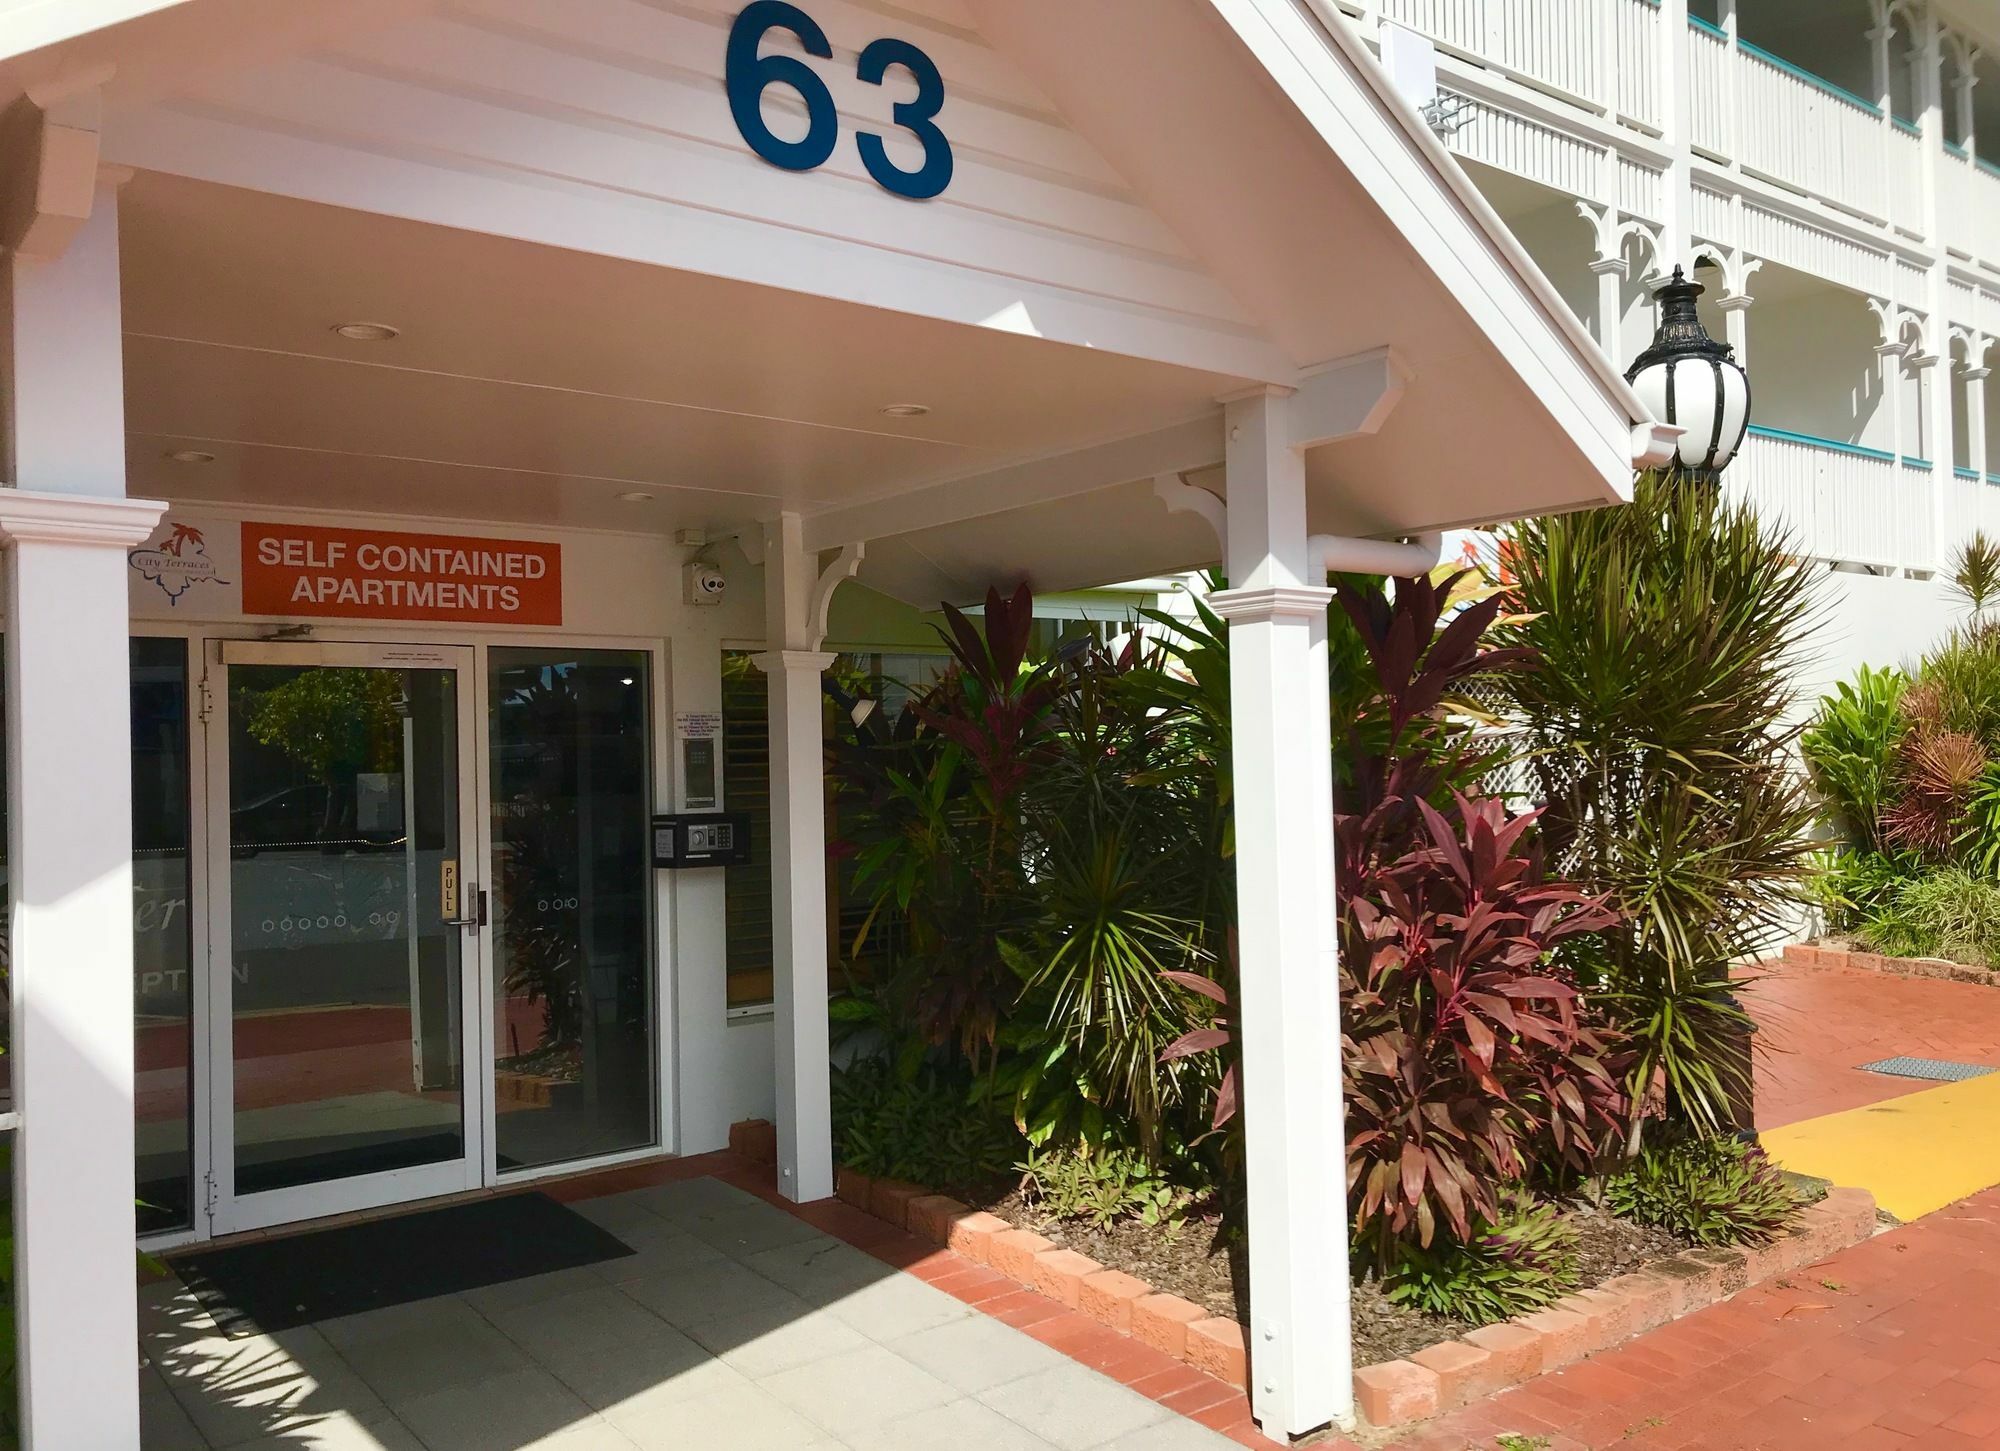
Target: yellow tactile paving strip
1916,1153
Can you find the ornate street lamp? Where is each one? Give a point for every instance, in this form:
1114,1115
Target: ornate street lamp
1687,377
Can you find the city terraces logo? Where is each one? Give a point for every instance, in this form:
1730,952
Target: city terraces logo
177,563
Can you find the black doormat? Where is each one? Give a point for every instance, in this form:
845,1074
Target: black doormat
277,1284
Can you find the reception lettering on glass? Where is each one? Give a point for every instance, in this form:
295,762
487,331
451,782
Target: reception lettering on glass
747,73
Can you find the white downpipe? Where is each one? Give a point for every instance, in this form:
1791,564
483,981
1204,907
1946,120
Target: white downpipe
1376,556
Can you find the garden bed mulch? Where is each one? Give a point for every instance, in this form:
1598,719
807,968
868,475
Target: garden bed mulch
1197,1262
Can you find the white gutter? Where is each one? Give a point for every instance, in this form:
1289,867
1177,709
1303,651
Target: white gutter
1341,555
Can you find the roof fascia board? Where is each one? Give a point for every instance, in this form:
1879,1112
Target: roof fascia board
1375,134
41,23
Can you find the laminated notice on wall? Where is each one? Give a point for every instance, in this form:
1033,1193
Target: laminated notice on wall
373,574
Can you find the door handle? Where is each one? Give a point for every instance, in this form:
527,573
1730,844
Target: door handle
478,915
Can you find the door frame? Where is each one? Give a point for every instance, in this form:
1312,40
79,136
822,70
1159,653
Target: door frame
202,638
229,1211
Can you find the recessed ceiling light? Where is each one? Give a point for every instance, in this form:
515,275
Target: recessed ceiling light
365,332
636,496
905,410
191,456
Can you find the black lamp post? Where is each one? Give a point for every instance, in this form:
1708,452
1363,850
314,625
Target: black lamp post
1687,377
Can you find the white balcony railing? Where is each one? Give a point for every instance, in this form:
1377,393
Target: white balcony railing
1600,53
1974,504
1807,133
1971,196
1839,500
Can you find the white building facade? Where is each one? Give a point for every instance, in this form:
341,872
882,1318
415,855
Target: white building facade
415,413
1829,170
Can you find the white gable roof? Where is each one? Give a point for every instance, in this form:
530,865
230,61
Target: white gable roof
1217,192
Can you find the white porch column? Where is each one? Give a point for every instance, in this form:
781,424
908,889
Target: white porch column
1677,131
1288,1019
1975,417
798,863
1610,274
66,525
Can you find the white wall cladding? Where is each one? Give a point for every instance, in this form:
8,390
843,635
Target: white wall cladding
1527,148
620,105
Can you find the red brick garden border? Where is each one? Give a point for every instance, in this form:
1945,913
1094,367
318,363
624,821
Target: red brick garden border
1817,955
1438,1378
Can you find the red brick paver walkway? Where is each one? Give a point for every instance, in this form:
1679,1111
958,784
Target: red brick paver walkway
1893,1343
1815,1027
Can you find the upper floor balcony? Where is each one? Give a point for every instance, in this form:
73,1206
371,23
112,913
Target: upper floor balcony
1805,95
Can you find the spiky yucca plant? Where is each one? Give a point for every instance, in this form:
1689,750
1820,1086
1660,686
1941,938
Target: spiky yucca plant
1657,735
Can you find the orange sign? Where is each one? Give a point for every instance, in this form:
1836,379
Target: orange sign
303,569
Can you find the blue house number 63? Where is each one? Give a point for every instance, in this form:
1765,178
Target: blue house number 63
746,74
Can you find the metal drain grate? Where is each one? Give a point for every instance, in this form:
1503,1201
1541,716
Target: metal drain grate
1933,1068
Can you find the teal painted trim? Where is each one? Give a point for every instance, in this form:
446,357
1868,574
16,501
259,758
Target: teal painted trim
1922,464
1955,149
1839,93
1910,126
1984,165
1829,444
1965,473
1709,26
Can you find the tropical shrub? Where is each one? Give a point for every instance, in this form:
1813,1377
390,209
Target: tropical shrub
1946,913
1907,767
1850,752
1852,886
1469,1061
1469,1064
1708,1191
1034,837
1656,733
1100,1186
1522,1262
922,1126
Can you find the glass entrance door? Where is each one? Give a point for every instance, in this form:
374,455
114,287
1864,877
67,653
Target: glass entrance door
346,925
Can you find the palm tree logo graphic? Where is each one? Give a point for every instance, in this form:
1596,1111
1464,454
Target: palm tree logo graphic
177,563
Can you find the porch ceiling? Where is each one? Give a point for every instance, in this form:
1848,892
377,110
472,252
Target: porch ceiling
532,385
667,317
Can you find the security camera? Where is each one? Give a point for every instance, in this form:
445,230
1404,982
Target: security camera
705,583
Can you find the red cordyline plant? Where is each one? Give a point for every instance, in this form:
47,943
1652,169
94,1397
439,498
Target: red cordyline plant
991,708
1469,1062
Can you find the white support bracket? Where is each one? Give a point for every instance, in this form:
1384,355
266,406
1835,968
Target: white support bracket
1347,399
1182,497
843,568
49,151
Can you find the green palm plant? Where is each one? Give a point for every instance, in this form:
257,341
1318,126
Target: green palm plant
1656,732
